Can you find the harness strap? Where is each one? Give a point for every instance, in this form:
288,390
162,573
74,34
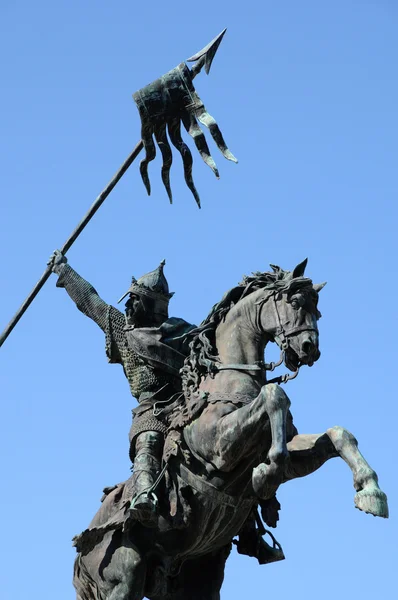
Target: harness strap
284,342
204,487
258,366
294,330
240,367
282,334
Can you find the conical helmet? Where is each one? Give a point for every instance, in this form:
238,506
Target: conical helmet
153,285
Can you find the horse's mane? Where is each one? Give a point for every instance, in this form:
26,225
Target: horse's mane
202,358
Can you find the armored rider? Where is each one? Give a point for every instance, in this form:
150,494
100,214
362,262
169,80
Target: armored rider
151,348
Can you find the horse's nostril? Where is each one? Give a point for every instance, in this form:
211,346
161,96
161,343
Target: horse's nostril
307,346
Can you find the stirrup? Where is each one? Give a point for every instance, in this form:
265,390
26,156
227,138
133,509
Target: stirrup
267,553
147,512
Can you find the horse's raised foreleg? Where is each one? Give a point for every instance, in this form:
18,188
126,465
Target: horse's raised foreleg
222,438
270,474
309,452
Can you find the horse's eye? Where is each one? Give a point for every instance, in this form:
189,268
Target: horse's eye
297,301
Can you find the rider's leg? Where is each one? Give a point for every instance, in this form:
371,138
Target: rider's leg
148,452
309,452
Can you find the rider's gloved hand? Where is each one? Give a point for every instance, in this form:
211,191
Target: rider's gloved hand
57,261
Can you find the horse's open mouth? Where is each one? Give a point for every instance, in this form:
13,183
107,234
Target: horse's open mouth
291,360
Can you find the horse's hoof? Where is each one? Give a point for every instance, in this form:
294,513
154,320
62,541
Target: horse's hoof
258,479
372,501
265,480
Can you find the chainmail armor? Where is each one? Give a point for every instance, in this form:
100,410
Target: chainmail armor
141,376
84,295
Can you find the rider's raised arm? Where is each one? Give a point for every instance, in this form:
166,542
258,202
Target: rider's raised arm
81,291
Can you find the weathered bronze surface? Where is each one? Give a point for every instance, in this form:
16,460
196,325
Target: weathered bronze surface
167,101
170,101
212,438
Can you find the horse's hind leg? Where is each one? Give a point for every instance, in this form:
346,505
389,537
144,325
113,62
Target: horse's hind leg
113,570
128,573
309,452
201,578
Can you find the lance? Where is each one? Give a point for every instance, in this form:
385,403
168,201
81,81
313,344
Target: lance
164,103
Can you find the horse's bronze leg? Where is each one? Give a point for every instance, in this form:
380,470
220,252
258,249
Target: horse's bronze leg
221,434
114,570
127,572
309,452
200,578
268,476
369,496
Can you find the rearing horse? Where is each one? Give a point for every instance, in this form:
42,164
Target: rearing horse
237,445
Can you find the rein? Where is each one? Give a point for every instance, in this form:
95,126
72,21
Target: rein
280,332
262,367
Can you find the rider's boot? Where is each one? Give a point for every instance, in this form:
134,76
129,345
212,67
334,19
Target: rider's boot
144,505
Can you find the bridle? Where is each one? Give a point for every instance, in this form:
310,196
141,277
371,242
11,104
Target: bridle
284,337
280,332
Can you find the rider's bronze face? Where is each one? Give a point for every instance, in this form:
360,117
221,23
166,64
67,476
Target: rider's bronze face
137,311
141,311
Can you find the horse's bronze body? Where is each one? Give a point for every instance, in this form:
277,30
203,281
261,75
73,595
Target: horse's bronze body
237,445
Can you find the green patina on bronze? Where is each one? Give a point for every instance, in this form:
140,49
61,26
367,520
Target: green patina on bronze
212,438
170,101
175,95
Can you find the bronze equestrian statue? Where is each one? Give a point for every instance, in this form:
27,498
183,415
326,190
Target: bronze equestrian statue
229,443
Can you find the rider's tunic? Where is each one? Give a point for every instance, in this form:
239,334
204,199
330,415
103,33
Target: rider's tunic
149,383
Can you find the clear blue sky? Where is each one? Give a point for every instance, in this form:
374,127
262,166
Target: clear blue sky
306,95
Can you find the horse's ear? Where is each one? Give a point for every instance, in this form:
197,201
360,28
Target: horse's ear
319,286
299,270
275,268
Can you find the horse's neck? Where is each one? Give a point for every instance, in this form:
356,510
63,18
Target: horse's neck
238,342
238,338
238,346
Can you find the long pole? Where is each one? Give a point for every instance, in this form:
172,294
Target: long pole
72,238
203,58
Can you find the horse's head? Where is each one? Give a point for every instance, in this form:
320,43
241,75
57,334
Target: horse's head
289,314
279,307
